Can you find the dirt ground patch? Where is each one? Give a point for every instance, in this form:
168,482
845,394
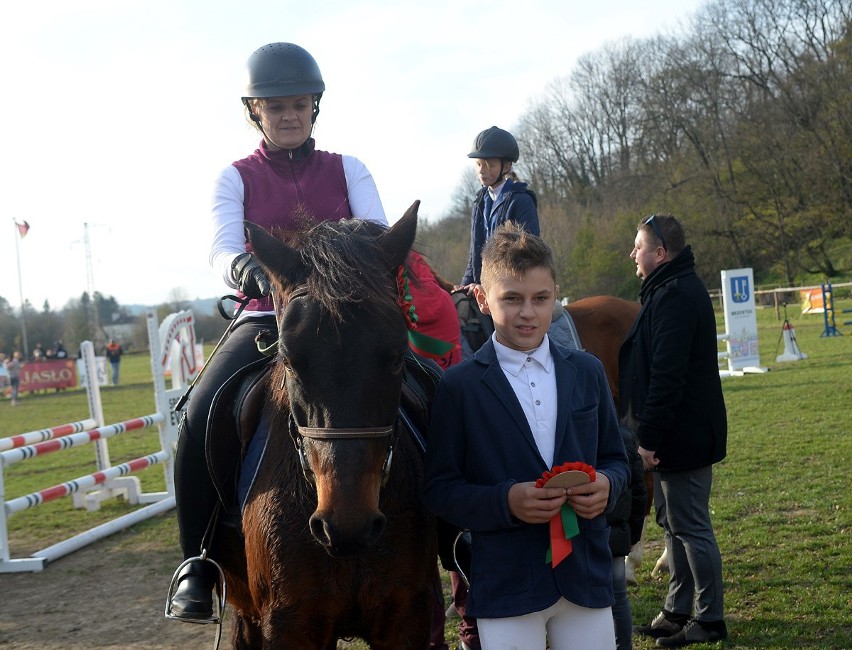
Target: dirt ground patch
109,595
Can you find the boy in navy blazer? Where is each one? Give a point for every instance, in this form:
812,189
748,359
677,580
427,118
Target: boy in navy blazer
520,406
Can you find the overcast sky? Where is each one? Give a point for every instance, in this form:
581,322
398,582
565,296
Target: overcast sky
119,114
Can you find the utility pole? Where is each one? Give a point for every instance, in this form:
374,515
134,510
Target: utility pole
21,295
94,318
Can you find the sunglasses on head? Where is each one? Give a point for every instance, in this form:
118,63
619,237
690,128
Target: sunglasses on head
651,222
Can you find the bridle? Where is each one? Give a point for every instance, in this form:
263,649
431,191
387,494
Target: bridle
298,432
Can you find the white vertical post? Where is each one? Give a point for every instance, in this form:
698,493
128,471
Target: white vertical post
93,393
178,327
4,531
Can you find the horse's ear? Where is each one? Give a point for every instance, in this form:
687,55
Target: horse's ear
278,258
399,238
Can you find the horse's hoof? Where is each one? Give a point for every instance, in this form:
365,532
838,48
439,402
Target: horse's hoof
193,599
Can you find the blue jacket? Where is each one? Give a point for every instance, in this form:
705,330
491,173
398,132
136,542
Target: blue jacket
515,203
480,444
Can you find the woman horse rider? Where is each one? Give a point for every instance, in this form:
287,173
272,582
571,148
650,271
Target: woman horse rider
286,183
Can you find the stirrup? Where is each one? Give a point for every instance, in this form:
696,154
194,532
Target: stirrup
462,541
218,614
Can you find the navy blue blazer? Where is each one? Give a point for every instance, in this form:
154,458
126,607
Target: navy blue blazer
480,444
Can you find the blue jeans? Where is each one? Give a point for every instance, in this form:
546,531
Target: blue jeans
682,500
114,365
622,615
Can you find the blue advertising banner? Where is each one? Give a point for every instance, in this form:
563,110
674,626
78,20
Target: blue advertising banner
740,319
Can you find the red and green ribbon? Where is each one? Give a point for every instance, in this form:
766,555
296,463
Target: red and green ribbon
563,527
564,524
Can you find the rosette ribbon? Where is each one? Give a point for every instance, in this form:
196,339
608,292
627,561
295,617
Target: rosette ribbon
564,525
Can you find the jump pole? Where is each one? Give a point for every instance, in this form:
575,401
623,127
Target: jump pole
173,342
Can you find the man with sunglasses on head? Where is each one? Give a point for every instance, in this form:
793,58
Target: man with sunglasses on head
671,395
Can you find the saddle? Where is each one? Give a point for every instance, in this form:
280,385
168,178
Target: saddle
235,417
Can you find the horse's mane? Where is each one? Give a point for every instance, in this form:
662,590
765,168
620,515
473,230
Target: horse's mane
345,264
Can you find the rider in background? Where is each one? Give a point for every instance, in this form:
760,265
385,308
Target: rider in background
287,182
502,197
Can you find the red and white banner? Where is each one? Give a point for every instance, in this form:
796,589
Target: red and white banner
41,375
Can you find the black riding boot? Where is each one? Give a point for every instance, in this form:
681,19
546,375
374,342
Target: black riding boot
196,501
193,598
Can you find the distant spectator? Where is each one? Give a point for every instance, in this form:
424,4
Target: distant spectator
60,351
13,367
4,374
113,355
38,353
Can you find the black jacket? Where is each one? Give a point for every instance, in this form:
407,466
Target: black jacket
669,382
628,514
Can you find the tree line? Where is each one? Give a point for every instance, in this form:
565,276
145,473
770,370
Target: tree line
740,125
91,318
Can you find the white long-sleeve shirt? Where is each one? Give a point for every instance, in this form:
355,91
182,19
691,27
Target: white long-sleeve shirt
227,236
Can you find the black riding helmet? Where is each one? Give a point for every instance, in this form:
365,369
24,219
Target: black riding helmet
495,143
283,70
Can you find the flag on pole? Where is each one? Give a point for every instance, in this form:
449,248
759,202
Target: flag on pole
23,228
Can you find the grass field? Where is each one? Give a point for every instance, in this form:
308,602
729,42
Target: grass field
781,499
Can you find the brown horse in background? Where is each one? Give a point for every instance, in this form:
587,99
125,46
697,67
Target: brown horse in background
602,323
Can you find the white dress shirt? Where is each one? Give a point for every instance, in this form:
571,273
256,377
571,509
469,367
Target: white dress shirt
533,380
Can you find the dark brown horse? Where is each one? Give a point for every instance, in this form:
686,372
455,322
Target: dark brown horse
336,541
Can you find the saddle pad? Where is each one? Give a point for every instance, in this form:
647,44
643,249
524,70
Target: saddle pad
253,458
227,427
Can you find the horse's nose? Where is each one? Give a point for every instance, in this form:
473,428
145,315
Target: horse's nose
339,540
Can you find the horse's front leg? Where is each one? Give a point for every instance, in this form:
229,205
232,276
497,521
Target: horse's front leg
285,629
402,613
246,634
